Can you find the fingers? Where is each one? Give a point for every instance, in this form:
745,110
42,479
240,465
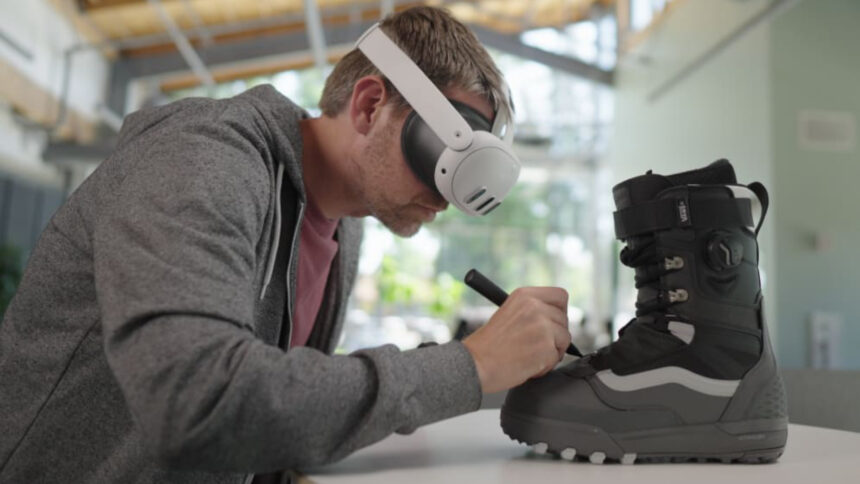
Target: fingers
558,339
556,315
525,338
533,303
540,309
554,296
550,320
562,340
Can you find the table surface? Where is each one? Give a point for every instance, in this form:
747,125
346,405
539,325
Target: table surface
472,448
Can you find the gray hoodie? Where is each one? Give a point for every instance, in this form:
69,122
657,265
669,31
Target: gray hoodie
146,343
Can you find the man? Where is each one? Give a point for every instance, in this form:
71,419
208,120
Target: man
176,320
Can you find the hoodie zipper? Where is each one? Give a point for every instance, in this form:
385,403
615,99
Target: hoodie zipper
289,313
290,289
271,263
273,250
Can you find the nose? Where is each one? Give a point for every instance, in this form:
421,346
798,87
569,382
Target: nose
439,203
440,207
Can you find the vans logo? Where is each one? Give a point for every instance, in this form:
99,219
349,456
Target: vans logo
683,212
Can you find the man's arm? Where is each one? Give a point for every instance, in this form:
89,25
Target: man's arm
174,268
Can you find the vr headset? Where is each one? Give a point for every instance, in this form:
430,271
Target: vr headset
451,147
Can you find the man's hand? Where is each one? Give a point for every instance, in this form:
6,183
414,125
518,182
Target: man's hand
525,338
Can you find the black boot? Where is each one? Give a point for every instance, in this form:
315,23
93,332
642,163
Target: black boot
693,376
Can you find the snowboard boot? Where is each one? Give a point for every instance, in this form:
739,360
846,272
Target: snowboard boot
692,377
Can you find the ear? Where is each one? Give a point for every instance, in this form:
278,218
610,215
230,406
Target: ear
368,97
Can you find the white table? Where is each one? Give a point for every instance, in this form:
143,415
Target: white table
473,449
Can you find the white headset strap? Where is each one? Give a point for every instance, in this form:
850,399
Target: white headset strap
504,117
424,97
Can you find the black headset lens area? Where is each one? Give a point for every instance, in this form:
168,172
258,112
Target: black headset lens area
422,148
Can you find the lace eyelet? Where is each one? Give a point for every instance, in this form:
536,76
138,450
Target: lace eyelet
673,263
678,295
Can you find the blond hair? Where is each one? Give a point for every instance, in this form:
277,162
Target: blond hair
447,52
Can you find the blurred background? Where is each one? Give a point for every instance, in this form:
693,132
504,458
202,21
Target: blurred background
604,90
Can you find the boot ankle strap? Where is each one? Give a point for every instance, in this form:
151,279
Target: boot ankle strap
673,213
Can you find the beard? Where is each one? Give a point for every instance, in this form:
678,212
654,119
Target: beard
397,222
377,176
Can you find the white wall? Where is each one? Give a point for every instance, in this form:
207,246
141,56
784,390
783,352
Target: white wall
39,28
815,66
20,152
720,111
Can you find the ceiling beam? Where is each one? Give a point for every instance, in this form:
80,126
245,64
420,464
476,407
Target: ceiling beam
386,6
223,54
90,5
151,48
126,70
199,26
316,36
298,61
159,42
240,50
84,26
511,44
185,49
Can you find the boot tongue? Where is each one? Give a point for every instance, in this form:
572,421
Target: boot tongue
646,187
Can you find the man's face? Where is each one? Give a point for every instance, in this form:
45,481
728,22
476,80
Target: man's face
392,192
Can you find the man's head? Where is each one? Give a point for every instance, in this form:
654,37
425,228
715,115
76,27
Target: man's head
453,59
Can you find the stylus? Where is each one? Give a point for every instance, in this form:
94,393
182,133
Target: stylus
495,294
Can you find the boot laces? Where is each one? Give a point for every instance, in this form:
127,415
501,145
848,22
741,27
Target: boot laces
641,255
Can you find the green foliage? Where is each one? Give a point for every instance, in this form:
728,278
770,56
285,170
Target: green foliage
447,294
534,238
10,275
395,287
511,244
400,289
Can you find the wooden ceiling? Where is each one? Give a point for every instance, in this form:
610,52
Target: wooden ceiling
134,28
119,20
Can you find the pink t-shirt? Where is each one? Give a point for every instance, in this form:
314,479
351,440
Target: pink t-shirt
316,252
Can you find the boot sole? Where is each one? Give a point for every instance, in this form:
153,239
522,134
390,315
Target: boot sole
747,442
